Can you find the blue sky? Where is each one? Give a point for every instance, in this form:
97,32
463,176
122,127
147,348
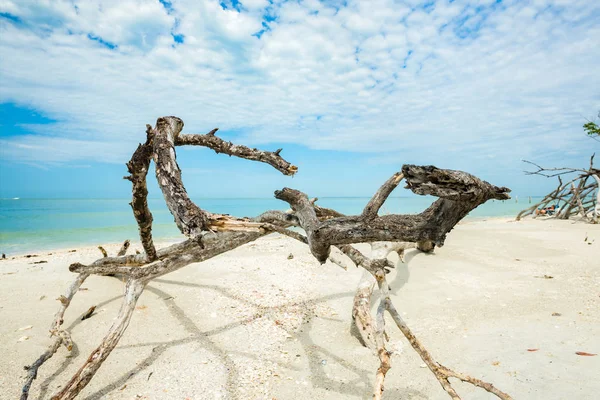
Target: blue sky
351,90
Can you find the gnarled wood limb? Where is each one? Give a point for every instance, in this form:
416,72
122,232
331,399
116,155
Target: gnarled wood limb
441,373
65,301
372,208
141,268
189,218
459,191
573,193
133,291
32,369
383,354
217,144
459,194
361,310
62,337
307,217
138,169
213,234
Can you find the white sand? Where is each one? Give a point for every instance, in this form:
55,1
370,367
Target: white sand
252,324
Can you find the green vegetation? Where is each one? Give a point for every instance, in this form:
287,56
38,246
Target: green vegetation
592,128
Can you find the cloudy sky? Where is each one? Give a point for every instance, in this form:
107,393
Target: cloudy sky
350,89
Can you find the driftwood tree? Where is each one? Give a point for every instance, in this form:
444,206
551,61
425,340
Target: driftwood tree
579,194
212,234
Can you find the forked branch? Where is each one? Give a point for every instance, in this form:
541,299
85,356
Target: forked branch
212,234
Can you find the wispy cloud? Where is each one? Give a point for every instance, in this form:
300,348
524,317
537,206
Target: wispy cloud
476,80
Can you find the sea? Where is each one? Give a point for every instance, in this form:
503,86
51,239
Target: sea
29,225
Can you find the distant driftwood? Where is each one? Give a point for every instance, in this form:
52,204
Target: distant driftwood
576,194
212,234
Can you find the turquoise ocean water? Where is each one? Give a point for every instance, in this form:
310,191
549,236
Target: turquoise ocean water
28,225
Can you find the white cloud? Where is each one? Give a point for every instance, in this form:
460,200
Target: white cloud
463,80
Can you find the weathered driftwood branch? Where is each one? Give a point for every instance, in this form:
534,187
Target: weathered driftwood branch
441,373
463,191
576,195
459,194
133,290
373,206
212,234
62,337
138,168
361,308
217,144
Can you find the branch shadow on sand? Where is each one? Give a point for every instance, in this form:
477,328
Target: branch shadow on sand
360,386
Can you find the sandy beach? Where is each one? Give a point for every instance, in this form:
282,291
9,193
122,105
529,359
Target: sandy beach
507,302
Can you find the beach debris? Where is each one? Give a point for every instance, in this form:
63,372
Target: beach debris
88,313
31,255
23,338
556,314
532,350
142,307
583,353
137,252
40,262
210,235
496,363
72,251
123,387
149,375
575,197
82,289
544,276
323,362
26,328
3,256
42,297
290,256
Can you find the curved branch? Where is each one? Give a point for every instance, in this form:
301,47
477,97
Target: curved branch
138,168
441,373
220,146
214,234
460,193
133,291
189,218
372,208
